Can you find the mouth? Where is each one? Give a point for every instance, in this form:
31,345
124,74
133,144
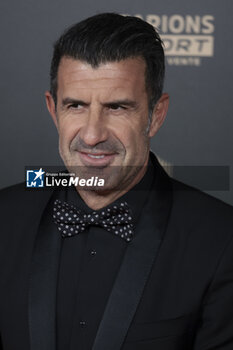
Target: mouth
95,156
97,159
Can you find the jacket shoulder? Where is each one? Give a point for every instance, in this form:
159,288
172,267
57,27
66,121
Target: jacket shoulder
19,200
193,200
12,190
202,216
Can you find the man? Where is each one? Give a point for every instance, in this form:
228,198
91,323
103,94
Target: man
145,262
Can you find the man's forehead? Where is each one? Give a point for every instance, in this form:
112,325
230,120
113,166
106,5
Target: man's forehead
130,69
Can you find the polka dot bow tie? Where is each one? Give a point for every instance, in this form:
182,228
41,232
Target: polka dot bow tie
72,221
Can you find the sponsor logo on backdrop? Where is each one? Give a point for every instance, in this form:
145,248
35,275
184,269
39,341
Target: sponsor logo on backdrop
187,39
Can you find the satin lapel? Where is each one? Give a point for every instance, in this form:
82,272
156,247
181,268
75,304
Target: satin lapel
43,282
136,266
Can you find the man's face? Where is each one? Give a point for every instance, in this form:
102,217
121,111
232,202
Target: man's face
102,119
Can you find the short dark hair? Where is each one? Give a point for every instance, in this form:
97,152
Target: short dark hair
110,37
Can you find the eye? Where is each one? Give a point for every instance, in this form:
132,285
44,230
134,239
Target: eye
75,106
116,107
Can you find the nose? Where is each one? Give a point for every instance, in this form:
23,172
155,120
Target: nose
95,129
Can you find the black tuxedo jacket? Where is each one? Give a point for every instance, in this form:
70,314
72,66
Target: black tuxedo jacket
174,289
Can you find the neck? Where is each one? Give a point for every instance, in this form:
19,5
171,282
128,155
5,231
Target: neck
97,200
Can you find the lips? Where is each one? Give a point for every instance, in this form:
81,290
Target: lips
96,156
96,159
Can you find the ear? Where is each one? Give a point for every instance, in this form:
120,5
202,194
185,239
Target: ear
51,107
158,115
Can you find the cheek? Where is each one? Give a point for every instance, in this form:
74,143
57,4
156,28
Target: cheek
67,131
134,136
129,138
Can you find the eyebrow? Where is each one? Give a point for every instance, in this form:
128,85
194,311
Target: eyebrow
66,101
125,102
